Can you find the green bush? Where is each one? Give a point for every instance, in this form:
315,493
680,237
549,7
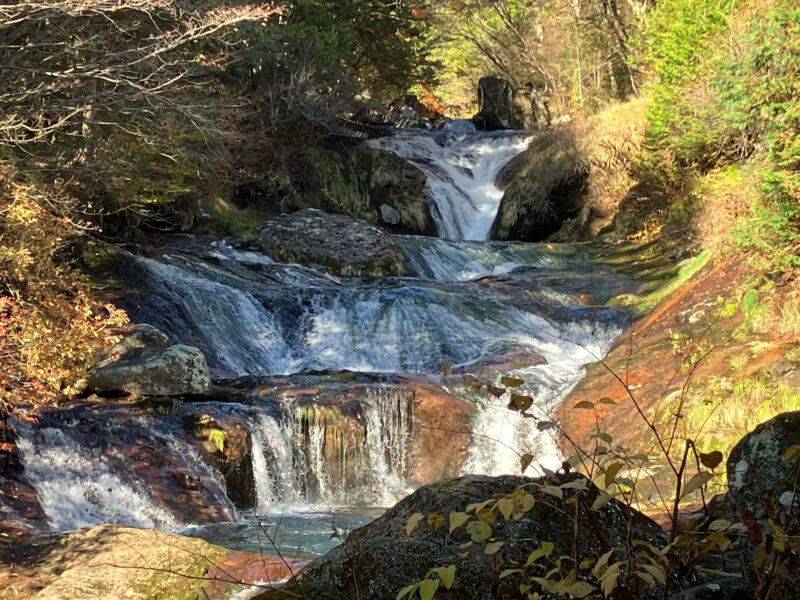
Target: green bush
680,49
726,90
759,94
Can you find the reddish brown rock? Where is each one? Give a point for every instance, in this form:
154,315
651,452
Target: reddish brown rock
654,357
441,434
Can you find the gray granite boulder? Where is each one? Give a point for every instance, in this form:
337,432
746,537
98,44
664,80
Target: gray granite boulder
763,477
345,246
144,363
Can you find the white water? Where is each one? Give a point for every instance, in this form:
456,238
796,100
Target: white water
462,169
251,315
502,435
291,468
76,488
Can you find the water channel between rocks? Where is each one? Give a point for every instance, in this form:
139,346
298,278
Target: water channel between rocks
326,449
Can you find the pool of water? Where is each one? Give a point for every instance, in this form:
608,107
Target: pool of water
296,534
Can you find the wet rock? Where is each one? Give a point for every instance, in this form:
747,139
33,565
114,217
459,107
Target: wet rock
389,214
513,358
729,588
152,371
496,105
227,445
140,337
111,561
403,115
531,110
347,247
762,480
441,426
353,180
543,188
380,558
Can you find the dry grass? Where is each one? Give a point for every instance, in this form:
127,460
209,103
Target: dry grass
610,140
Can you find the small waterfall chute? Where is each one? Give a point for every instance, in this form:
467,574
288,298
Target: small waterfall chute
462,169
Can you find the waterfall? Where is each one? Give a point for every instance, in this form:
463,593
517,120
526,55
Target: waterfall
532,311
313,456
462,169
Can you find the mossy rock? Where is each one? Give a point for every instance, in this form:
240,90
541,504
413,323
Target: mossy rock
378,560
544,187
346,247
343,178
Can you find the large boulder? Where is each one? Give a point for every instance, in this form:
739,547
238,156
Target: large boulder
344,177
495,104
544,187
763,475
381,558
347,247
144,363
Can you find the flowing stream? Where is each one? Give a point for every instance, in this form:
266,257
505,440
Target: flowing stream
467,304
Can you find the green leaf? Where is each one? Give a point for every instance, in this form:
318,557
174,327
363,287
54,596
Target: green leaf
507,572
409,589
520,403
545,425
412,522
478,506
607,400
579,589
511,381
479,531
749,302
584,404
446,574
605,437
577,484
457,519
552,490
544,549
611,473
696,482
427,588
720,525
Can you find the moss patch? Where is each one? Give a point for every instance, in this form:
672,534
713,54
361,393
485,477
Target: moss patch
352,180
543,188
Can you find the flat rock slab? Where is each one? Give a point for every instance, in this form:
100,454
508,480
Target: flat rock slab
114,562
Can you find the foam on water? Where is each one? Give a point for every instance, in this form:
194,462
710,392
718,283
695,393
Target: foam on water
462,168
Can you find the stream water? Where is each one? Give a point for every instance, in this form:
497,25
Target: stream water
253,316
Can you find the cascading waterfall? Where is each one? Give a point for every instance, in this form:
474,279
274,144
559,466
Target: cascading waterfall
293,462
466,302
462,169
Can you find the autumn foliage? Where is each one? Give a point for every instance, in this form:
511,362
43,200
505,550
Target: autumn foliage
50,327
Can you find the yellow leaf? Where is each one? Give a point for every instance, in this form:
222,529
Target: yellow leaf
412,522
506,507
493,547
611,473
435,521
457,519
